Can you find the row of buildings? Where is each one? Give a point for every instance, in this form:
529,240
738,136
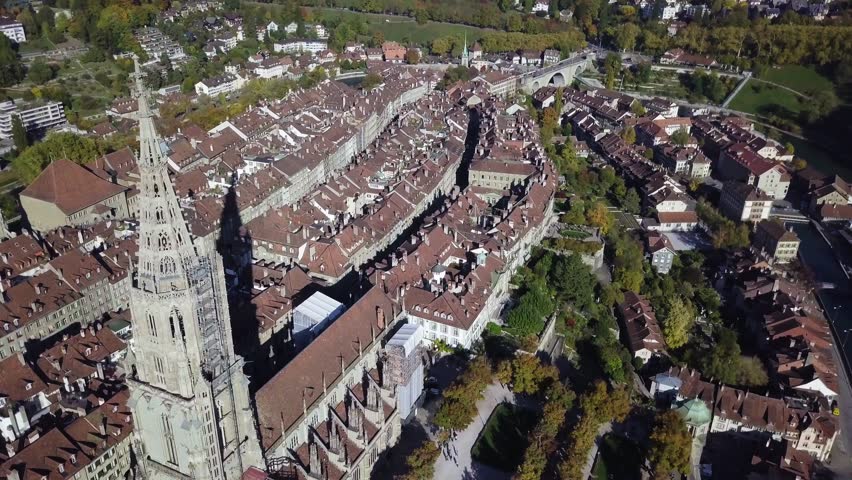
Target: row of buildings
796,413
331,410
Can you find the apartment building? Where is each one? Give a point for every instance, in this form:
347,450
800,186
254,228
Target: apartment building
217,85
744,202
12,29
740,162
35,117
642,331
304,45
779,243
155,43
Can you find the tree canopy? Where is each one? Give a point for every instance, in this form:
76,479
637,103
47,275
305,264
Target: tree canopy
29,164
11,70
671,445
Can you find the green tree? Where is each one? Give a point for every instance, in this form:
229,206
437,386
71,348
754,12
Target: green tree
631,202
40,72
679,315
625,36
680,137
751,372
822,103
371,81
57,145
629,135
11,70
19,134
28,20
572,280
671,446
723,361
530,375
527,318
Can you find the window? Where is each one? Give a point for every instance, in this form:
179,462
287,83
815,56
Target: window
159,370
152,325
168,434
167,266
176,325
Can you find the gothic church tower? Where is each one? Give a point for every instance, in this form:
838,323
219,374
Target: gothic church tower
189,394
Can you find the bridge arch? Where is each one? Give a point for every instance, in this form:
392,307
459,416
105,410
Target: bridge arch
558,79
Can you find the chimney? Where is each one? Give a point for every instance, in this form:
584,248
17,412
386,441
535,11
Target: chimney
103,426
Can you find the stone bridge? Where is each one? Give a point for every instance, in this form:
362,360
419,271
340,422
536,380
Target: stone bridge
558,74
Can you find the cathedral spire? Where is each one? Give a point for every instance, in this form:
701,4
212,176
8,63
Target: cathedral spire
165,246
183,345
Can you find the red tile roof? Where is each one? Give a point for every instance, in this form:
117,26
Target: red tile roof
280,402
71,187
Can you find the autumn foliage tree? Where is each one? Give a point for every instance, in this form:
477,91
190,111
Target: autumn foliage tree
421,462
459,406
542,438
597,406
526,374
671,446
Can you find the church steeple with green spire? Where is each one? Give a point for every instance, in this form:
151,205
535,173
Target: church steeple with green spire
465,58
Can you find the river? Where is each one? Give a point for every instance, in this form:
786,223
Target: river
817,255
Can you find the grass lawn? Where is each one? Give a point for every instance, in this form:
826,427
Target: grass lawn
503,441
395,27
764,99
618,459
7,177
35,45
799,78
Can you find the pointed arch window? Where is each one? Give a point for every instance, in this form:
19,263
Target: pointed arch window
168,266
152,325
176,324
168,434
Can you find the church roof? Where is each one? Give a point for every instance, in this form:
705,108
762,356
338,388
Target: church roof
71,187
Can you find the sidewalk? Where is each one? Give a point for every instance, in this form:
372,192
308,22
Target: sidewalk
459,465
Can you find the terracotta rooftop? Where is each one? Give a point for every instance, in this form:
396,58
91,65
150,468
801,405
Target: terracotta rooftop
71,187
